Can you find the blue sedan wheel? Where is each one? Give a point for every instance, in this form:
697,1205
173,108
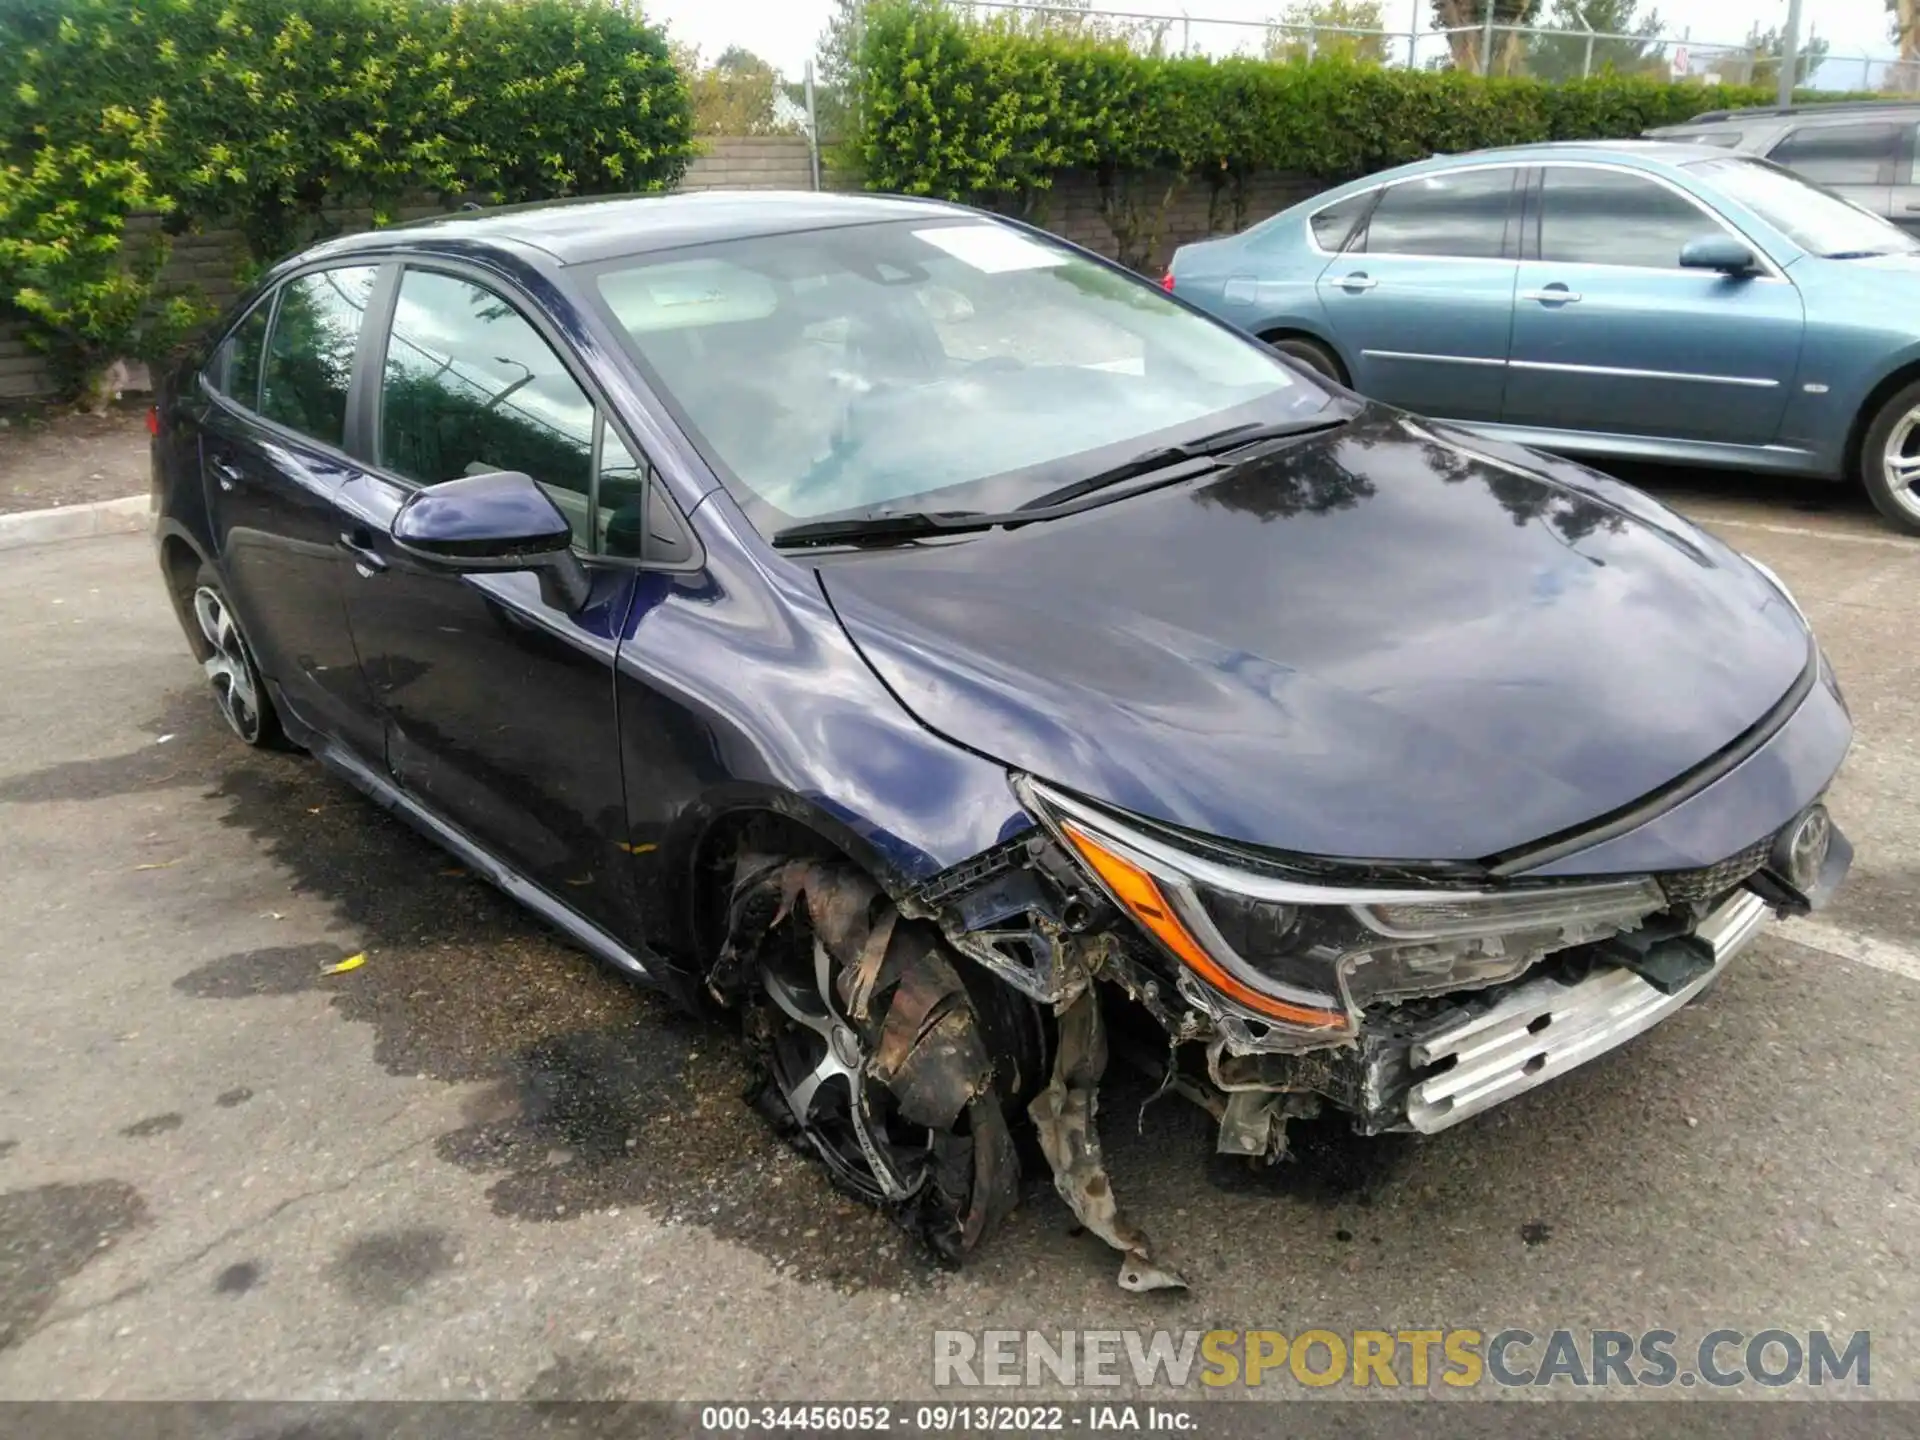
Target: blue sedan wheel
1890,460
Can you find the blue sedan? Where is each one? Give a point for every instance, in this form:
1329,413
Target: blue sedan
1637,300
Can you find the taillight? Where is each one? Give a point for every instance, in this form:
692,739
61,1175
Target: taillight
153,420
1166,282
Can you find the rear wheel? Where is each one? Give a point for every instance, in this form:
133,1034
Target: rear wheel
894,1061
1890,459
1312,354
238,689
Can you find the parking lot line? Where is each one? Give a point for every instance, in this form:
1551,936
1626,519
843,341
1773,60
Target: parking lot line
1852,945
1893,542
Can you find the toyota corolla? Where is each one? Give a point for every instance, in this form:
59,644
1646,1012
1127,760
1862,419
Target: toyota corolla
935,646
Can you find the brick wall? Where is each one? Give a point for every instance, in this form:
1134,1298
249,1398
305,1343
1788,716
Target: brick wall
751,162
773,162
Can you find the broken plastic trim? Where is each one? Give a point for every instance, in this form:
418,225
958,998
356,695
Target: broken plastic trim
1064,1115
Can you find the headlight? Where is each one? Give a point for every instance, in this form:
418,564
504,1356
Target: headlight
1307,956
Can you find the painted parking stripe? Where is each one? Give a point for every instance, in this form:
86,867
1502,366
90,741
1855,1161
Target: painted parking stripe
1890,542
1852,945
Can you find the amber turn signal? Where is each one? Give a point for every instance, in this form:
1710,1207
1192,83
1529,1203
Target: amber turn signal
1141,896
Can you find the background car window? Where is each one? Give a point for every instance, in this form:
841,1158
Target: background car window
1333,226
235,371
310,354
1812,218
1841,154
1608,217
1460,214
469,387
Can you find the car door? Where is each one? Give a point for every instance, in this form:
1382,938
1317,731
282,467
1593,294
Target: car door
272,435
1857,159
498,703
1611,335
1421,297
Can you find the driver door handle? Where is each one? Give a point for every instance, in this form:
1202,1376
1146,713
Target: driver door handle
359,544
1552,297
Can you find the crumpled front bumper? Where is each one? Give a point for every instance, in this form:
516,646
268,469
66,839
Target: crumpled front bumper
1542,1028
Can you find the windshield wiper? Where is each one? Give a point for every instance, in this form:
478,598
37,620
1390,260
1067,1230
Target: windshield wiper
897,525
1234,437
1167,464
1864,254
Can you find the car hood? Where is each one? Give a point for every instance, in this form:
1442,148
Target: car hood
1378,643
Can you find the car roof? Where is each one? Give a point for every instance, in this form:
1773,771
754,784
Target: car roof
585,230
1838,109
1646,152
1641,154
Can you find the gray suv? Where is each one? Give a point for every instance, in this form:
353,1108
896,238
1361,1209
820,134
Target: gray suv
1864,150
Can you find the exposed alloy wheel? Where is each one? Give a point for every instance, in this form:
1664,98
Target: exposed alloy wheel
237,687
818,1062
1890,460
893,1060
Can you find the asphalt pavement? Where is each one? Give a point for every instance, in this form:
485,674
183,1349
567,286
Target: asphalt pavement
474,1165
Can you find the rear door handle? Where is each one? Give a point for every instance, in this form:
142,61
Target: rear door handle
1552,297
1358,281
359,544
227,473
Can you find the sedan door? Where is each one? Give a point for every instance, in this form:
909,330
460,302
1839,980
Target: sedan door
1422,296
498,701
1611,335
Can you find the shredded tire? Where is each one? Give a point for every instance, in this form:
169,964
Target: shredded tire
944,1050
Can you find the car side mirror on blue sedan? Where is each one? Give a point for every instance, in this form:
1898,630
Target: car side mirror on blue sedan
1719,252
498,521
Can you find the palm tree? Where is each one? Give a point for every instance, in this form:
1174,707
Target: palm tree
1906,31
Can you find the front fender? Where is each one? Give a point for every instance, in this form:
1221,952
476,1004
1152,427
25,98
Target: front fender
739,692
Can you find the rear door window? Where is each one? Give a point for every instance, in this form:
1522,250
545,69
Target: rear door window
1460,214
1842,154
309,360
1333,227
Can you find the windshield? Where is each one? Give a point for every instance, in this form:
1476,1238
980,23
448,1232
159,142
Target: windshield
941,364
1814,218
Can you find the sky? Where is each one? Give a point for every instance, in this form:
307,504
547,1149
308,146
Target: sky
785,31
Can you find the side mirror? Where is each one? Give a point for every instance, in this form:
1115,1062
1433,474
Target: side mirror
1719,252
494,522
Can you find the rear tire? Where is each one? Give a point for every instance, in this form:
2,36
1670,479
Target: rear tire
894,1061
239,690
1890,460
1312,354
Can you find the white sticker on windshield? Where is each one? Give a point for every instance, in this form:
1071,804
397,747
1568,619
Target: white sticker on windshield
991,249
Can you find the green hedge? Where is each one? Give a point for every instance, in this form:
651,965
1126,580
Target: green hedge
992,113
264,115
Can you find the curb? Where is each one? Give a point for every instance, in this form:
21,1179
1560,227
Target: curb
128,516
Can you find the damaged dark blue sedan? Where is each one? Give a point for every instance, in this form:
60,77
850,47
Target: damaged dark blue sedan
938,647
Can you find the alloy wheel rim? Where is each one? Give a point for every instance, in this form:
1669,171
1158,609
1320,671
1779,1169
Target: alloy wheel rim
819,1064
1901,463
229,668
